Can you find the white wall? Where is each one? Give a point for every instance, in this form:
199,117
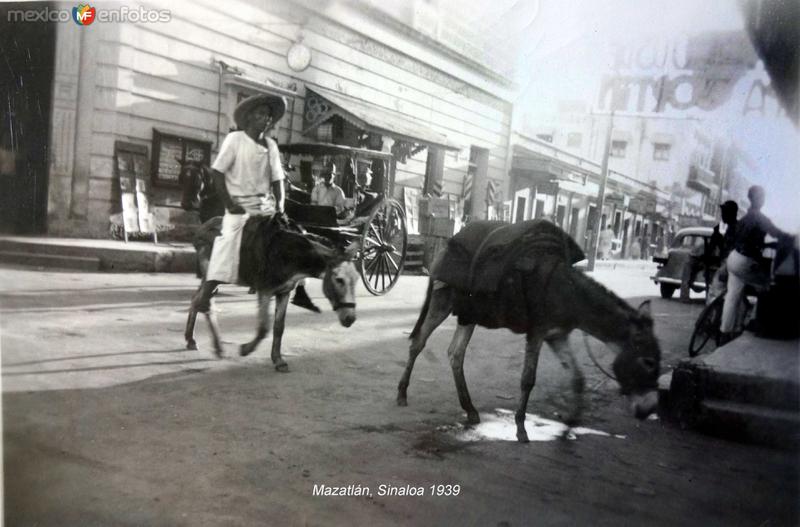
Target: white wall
161,76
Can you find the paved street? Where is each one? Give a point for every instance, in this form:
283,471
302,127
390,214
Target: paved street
108,421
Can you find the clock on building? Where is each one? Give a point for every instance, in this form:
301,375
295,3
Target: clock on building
298,57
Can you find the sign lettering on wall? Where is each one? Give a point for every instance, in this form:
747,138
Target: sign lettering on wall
692,71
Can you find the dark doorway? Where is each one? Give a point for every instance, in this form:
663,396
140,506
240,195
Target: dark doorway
573,223
26,83
539,211
561,212
521,204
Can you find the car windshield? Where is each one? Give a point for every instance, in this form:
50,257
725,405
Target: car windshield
690,241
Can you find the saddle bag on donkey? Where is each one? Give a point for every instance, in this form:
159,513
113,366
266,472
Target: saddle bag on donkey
492,264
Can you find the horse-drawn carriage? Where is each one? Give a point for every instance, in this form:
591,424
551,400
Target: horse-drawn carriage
371,214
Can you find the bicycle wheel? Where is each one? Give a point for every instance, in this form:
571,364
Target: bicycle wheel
707,328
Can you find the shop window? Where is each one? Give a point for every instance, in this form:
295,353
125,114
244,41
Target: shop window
336,131
325,133
170,152
618,148
548,138
661,151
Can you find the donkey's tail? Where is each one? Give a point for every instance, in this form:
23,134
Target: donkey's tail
424,312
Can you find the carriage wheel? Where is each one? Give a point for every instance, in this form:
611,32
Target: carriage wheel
707,328
383,251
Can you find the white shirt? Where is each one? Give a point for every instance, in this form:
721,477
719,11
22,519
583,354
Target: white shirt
332,196
249,167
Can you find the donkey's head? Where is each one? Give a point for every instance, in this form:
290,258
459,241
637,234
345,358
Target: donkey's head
637,364
339,284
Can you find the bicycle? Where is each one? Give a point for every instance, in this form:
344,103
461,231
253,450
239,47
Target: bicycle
707,326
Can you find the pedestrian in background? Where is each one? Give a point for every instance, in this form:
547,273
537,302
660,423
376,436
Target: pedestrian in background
606,237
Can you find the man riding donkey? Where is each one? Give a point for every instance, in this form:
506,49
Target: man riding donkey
249,176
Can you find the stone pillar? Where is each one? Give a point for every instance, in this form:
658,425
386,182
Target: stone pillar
71,128
63,123
83,128
479,183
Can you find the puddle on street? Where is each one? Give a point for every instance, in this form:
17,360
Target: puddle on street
500,426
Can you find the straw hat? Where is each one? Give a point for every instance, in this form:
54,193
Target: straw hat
276,104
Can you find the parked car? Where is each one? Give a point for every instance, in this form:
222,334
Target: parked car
689,241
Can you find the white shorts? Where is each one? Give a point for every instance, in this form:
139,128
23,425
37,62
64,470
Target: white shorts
224,263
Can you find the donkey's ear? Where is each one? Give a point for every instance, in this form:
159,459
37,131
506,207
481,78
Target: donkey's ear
644,309
352,249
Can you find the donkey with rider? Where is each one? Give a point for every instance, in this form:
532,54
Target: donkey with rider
257,245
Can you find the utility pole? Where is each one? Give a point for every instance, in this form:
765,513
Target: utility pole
601,197
723,176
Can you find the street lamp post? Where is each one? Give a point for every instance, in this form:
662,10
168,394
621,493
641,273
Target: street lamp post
601,197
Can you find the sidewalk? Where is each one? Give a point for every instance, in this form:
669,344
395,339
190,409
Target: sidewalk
97,255
748,389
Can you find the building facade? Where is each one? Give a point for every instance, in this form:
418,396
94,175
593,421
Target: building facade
553,183
144,97
664,160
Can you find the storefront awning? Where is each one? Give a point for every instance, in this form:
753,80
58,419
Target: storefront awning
369,117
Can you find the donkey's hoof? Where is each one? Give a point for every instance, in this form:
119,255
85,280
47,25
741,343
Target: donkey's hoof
218,352
522,436
402,401
473,418
246,349
282,367
191,345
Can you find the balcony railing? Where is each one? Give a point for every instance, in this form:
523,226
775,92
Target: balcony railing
701,179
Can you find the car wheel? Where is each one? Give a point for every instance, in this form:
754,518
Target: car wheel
667,290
